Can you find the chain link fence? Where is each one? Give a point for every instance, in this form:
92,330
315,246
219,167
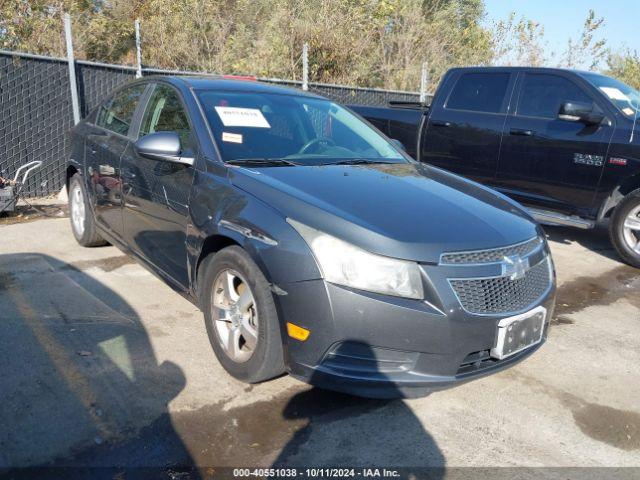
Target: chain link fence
36,110
35,114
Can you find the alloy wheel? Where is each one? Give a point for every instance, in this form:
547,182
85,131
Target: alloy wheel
234,315
77,210
631,229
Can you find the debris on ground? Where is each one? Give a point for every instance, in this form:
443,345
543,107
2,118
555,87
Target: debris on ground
34,211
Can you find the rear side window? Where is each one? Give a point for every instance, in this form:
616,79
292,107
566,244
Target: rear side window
116,114
479,92
541,95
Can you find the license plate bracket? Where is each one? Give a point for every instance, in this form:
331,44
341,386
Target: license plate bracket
519,332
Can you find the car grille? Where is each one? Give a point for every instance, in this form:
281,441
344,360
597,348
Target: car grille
500,295
491,255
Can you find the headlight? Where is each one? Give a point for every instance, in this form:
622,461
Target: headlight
346,264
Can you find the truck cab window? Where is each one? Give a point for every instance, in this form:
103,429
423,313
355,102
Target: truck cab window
479,92
541,95
116,114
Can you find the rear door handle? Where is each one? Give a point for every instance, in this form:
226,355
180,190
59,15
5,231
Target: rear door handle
437,123
521,131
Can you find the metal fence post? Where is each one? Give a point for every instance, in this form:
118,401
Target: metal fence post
75,105
305,66
423,83
138,51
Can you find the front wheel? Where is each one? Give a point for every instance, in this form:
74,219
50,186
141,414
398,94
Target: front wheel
240,316
624,228
82,222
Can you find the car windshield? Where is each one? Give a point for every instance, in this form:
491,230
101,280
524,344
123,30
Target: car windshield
624,97
294,130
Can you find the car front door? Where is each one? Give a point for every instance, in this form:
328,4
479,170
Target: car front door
156,192
464,128
106,142
546,161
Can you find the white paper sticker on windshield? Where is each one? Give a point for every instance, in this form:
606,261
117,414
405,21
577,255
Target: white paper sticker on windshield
613,93
628,111
242,117
231,137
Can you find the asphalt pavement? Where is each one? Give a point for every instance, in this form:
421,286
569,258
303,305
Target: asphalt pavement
101,364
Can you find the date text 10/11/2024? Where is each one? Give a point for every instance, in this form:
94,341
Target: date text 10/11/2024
316,472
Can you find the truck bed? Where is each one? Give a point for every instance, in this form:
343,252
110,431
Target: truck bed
400,123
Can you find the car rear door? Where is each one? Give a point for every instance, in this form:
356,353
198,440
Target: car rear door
106,142
546,161
465,122
156,192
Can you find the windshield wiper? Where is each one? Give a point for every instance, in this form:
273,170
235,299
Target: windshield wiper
263,162
358,161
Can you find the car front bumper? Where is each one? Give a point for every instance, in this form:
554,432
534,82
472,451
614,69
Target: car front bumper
380,346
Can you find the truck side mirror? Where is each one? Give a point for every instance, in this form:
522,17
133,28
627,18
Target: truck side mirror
580,112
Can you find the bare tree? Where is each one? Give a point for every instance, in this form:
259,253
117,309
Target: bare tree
586,51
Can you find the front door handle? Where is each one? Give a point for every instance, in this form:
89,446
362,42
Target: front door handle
437,123
521,131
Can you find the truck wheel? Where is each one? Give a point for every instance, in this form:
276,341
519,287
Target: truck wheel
83,224
624,228
240,316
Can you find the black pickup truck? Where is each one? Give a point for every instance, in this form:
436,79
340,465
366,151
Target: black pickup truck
564,143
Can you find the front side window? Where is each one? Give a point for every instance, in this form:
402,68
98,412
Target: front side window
116,114
165,113
625,98
479,92
542,95
304,130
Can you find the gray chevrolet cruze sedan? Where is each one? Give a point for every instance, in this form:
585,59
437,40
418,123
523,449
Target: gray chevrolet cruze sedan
312,243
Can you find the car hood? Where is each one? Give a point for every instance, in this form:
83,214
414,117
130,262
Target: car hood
410,211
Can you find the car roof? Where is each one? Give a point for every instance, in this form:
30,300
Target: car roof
229,84
519,68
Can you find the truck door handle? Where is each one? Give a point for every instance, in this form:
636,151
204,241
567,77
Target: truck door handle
437,123
521,131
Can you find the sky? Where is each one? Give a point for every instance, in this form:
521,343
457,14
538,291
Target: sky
563,19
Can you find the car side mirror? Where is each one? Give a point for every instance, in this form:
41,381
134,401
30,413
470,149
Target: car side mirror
580,112
164,146
398,144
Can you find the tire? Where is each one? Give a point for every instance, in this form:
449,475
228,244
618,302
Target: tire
83,224
622,236
260,357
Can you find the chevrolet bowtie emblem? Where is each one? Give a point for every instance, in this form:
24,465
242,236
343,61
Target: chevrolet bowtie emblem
515,267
